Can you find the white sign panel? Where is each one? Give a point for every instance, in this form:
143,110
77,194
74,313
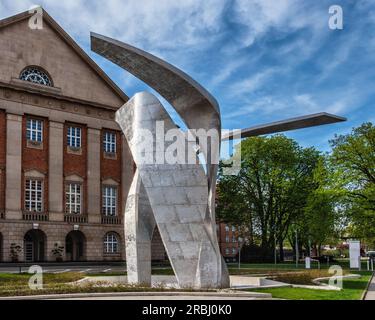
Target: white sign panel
354,254
308,263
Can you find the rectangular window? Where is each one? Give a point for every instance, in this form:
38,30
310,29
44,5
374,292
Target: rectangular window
110,243
109,142
34,195
234,251
109,201
34,130
74,137
73,198
227,239
234,240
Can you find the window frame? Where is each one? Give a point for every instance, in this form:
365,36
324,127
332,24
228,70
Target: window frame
107,207
34,132
111,246
72,138
110,142
74,204
31,205
43,75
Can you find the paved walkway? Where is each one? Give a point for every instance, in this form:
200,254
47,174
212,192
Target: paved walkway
370,295
66,268
208,296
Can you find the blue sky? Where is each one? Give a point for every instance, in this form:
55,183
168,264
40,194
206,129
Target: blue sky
263,60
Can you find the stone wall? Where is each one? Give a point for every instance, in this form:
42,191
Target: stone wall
2,159
15,231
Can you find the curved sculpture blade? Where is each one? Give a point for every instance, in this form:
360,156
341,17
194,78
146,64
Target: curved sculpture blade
195,105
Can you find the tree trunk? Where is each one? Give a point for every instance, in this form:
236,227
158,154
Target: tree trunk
319,249
251,235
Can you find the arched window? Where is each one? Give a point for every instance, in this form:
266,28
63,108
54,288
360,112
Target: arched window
36,75
111,243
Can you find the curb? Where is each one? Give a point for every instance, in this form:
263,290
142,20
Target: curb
364,294
142,294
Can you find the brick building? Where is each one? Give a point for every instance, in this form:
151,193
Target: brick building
65,167
229,241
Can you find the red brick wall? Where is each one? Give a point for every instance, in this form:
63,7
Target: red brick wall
2,158
35,159
221,235
76,164
111,168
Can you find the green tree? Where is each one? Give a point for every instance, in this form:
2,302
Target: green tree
353,163
270,191
319,222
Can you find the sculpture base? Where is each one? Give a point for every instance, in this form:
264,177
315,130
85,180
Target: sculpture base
170,282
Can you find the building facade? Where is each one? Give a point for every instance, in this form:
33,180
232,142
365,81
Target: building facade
65,167
229,241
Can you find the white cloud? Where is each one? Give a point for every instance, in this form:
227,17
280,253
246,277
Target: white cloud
263,106
162,23
247,86
227,70
259,15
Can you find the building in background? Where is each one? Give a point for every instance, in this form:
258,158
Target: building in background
229,241
65,167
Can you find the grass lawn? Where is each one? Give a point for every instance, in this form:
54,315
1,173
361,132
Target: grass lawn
17,285
352,290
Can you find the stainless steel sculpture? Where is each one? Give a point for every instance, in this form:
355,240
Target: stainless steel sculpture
179,198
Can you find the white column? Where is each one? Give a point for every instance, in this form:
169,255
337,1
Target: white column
93,175
55,172
13,167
